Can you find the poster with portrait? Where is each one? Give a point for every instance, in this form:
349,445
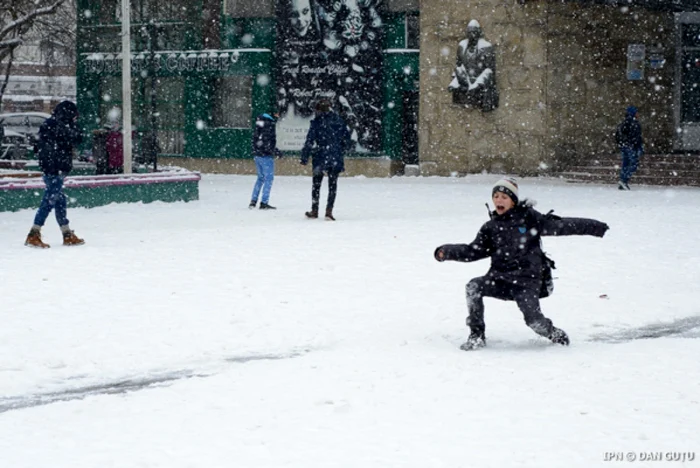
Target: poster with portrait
329,49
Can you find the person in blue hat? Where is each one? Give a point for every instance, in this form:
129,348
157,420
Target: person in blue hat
629,140
264,151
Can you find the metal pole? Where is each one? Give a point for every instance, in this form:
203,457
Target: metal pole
126,84
154,108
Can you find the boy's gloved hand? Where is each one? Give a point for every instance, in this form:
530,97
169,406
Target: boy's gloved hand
439,254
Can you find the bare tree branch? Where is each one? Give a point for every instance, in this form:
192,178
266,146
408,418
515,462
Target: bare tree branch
29,17
7,77
22,18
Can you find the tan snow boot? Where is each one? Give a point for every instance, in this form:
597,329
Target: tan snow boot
34,240
69,238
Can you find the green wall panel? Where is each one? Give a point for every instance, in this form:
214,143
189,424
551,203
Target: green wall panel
90,197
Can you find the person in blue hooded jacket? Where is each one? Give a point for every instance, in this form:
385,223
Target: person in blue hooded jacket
58,136
328,140
264,151
631,144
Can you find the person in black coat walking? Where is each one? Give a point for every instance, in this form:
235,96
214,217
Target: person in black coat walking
631,144
328,139
264,149
519,270
58,136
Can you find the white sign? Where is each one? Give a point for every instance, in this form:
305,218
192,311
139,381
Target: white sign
291,131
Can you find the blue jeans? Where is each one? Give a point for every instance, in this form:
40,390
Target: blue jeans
53,199
630,159
266,174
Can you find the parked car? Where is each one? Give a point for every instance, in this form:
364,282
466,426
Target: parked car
15,145
26,123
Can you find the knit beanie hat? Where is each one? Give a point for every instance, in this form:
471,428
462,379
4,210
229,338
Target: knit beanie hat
509,186
631,111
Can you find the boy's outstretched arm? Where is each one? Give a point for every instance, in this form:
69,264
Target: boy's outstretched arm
480,248
553,225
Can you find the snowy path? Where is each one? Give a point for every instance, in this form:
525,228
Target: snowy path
208,335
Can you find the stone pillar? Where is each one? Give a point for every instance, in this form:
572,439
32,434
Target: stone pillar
459,140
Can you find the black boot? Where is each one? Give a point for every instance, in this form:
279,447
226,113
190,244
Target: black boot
313,214
559,336
252,204
265,206
476,340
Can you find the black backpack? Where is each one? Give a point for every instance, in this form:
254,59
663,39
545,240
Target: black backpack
548,265
547,287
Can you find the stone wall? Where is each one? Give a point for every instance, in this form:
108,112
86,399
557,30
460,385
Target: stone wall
587,87
286,166
561,74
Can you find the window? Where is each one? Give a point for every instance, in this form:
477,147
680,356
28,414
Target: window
170,111
249,8
143,11
231,101
412,31
402,5
691,35
109,11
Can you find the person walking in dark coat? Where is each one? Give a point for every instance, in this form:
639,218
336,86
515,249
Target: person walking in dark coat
58,135
264,152
519,269
629,140
328,140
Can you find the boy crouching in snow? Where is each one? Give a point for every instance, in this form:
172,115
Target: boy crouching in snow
519,270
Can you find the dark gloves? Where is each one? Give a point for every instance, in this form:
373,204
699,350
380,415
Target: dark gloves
598,229
303,162
278,154
439,254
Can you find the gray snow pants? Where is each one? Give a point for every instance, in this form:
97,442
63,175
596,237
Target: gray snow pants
528,301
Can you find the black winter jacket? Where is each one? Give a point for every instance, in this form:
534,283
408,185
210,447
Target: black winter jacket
58,135
512,240
327,141
265,136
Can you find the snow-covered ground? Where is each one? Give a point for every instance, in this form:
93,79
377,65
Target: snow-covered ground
206,335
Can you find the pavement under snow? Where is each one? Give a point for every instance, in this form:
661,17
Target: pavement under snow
207,335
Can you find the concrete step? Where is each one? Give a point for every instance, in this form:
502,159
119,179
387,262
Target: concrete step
642,170
612,179
660,165
654,169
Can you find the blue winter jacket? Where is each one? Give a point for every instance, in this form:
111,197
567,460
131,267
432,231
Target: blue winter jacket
264,136
328,140
58,135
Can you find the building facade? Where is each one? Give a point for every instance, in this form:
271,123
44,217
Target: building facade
566,72
563,73
202,70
